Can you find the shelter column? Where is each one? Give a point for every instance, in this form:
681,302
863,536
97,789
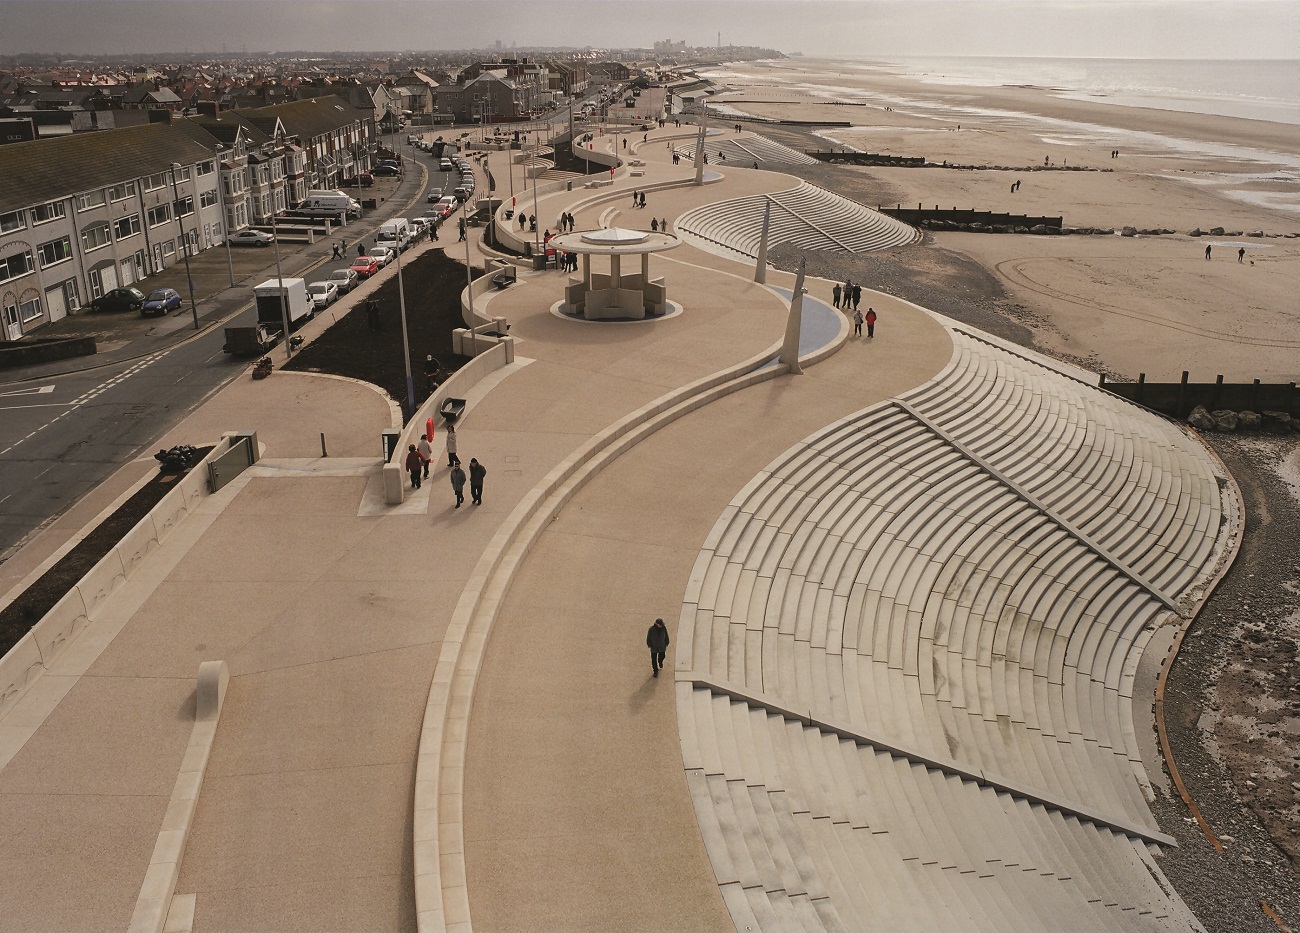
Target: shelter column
615,271
586,270
645,269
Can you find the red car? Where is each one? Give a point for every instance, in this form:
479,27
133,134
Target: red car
364,180
365,266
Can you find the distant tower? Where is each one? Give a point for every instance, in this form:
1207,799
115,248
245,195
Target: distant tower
719,38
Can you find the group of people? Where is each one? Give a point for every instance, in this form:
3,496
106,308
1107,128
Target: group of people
638,199
419,456
657,225
566,222
527,220
1015,186
849,295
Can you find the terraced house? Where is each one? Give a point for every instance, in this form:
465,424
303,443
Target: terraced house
86,213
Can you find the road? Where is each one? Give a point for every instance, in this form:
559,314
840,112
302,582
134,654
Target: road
66,426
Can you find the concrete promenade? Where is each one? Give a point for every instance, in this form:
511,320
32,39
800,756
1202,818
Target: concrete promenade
330,610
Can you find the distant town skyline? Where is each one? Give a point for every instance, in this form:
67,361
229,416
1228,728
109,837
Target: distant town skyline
880,29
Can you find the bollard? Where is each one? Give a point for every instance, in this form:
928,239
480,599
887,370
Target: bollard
1182,396
323,451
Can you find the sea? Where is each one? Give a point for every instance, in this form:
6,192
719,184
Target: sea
1263,89
1267,90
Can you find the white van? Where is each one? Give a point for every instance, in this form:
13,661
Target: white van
329,204
396,233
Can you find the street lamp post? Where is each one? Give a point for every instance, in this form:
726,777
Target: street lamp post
185,241
279,276
469,276
225,223
406,343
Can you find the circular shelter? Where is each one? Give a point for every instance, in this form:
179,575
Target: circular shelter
616,294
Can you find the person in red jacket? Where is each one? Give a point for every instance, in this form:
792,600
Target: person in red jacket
871,322
414,465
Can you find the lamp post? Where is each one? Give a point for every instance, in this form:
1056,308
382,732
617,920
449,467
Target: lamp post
185,241
275,241
406,343
225,223
469,277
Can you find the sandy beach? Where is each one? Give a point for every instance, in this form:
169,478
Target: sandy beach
1125,305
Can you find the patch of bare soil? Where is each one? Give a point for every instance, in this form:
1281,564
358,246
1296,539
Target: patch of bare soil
353,347
17,619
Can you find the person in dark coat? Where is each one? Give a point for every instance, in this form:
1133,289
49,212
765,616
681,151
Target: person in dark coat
835,294
857,296
458,484
476,473
414,465
657,641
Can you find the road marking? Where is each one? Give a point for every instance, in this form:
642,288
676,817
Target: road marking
34,390
43,405
91,394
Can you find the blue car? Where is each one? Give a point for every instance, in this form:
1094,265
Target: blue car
160,301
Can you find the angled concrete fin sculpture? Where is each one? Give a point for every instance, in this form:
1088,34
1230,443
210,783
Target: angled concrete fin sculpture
699,145
760,265
790,349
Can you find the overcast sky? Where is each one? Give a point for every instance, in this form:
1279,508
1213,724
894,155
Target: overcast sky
866,28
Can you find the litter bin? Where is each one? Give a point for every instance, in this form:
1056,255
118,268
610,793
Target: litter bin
539,263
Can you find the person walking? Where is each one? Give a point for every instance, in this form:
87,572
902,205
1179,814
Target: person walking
871,322
857,296
835,294
1241,254
461,223
657,641
635,197
452,459
857,323
458,484
338,253
426,453
413,465
361,247
476,473
1207,251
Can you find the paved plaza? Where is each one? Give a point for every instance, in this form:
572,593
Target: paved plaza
910,592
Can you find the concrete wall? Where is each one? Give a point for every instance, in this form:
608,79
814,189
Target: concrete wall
84,603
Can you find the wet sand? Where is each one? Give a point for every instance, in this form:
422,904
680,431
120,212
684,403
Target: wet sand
1144,304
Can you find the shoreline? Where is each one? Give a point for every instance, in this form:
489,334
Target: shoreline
1125,305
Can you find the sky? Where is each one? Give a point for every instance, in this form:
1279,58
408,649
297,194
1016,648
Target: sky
862,28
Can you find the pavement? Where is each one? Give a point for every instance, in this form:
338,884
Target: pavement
331,611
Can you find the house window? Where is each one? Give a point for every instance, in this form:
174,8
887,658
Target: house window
47,212
16,265
12,221
90,199
183,174
154,182
55,252
207,168
30,309
160,215
185,206
126,226
168,247
95,236
121,192
208,198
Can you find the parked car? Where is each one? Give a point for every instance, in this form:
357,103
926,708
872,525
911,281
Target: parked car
365,266
383,254
160,301
344,279
393,162
445,165
322,294
119,299
251,238
447,204
386,171
435,195
461,193
364,180
420,226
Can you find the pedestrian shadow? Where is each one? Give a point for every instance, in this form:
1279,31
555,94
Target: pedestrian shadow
641,696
